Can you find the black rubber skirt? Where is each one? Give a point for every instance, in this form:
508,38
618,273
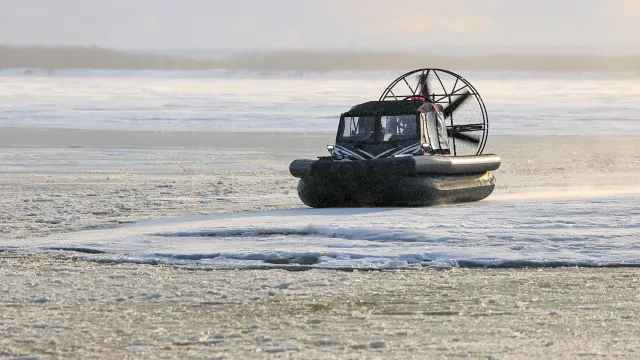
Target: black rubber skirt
410,182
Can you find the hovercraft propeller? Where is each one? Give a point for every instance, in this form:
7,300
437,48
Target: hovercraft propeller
466,121
455,104
455,131
424,86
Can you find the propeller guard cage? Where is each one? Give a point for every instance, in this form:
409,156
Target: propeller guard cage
466,114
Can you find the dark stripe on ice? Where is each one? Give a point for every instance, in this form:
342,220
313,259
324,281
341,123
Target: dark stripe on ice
79,250
239,233
299,260
300,264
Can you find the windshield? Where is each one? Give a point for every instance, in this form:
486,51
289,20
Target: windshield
359,129
394,128
378,129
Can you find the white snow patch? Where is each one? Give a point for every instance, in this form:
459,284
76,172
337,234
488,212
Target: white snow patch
587,232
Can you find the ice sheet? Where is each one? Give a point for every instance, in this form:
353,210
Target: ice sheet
561,200
592,231
518,103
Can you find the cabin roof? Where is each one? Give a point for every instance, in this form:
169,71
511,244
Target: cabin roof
394,107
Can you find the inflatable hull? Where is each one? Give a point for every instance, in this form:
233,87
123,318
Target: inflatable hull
399,182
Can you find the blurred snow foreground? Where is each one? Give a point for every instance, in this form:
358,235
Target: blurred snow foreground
498,233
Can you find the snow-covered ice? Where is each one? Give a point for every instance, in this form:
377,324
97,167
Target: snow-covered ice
598,231
560,200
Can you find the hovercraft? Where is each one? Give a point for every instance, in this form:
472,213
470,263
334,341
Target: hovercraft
420,144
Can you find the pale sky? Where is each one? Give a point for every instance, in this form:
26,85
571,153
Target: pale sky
322,24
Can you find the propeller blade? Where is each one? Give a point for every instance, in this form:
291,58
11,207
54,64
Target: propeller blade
456,103
424,86
463,137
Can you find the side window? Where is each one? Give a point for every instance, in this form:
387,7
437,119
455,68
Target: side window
349,127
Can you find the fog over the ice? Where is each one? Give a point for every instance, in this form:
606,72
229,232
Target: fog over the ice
323,24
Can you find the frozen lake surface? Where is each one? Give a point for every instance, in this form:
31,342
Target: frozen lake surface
560,200
225,200
518,103
505,231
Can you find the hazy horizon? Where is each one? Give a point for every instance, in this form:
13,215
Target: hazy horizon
595,26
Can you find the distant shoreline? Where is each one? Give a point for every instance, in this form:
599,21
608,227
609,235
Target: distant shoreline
33,58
